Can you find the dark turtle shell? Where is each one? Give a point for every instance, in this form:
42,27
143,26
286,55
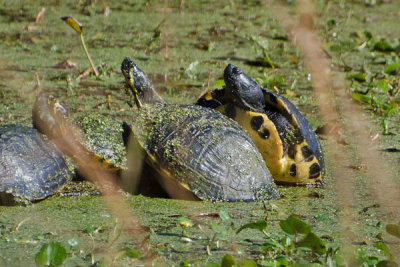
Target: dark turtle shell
31,168
207,153
282,134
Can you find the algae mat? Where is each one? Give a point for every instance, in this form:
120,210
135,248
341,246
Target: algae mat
184,47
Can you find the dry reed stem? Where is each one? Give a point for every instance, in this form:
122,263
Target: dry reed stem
380,176
69,143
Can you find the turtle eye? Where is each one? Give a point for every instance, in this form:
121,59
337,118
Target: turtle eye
236,70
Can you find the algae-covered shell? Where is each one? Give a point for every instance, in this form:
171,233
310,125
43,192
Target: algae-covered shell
31,168
206,152
103,136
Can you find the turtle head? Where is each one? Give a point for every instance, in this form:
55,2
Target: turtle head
138,81
244,91
46,113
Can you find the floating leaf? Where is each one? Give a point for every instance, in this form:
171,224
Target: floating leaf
53,253
73,23
293,225
383,46
363,99
393,229
335,48
393,68
257,225
185,222
220,230
314,242
217,84
281,261
271,245
382,247
382,85
368,35
228,261
131,253
359,77
331,23
224,215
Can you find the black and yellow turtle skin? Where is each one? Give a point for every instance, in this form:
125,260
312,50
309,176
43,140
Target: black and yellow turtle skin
199,149
282,134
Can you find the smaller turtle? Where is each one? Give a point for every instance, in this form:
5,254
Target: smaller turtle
197,149
282,134
31,168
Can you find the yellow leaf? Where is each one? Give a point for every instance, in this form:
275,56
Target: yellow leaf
74,24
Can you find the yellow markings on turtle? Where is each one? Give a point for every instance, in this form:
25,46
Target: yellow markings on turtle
207,96
106,164
277,103
176,189
298,166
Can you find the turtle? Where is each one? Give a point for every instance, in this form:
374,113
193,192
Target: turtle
196,149
282,134
31,167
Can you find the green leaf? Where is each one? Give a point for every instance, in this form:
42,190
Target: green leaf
335,48
393,229
314,242
220,230
368,35
371,261
248,263
382,247
281,261
228,261
185,222
217,84
393,68
257,225
272,245
382,85
363,99
53,253
224,215
359,77
212,265
131,253
293,225
287,242
331,23
91,230
383,46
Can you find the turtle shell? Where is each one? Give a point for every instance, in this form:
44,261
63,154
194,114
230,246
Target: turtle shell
31,168
282,134
102,135
207,153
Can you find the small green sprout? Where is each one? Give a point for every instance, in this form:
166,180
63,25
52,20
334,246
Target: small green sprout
185,223
74,24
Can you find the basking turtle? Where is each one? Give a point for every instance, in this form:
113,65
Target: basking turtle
197,149
282,134
31,168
